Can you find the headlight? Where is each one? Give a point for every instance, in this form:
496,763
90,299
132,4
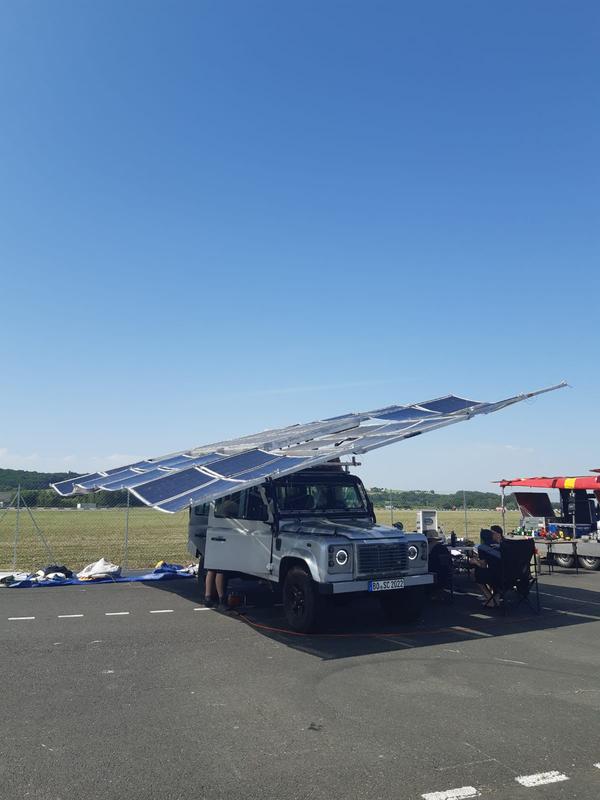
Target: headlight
341,558
413,552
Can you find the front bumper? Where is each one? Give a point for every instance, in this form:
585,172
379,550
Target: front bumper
345,587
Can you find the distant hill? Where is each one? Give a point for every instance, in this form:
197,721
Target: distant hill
10,479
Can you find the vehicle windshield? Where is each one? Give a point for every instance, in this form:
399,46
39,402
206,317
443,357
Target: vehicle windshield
339,495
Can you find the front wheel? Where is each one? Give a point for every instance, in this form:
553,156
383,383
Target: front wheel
300,600
404,605
589,562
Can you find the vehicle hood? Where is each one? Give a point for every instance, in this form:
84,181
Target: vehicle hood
350,529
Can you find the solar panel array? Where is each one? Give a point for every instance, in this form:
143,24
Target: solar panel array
173,482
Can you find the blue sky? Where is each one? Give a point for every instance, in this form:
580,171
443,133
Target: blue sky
221,217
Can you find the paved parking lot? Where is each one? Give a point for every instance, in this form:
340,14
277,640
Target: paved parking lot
135,690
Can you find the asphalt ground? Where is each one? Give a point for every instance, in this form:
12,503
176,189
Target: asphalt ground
119,701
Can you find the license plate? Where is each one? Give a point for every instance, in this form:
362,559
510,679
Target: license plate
383,586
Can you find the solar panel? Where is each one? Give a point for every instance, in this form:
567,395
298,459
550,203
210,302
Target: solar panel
171,485
450,404
113,484
273,468
174,481
406,414
234,465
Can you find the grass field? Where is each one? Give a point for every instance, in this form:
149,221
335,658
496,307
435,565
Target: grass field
78,537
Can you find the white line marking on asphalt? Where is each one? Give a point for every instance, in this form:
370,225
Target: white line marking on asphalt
204,608
576,614
571,599
162,611
597,765
542,778
469,630
14,618
510,661
108,672
69,616
481,616
116,613
452,794
396,641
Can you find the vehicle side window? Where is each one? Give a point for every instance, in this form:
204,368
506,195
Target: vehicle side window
228,506
202,511
255,507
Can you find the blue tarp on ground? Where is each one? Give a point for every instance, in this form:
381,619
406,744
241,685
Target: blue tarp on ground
150,576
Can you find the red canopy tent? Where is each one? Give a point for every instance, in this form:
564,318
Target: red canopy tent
589,482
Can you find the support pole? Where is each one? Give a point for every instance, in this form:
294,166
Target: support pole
503,506
465,510
47,547
391,508
126,553
17,521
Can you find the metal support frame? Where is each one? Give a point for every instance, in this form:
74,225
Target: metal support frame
17,503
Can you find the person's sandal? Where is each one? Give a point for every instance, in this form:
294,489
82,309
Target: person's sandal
209,602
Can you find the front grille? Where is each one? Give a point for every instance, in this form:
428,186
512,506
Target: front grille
381,558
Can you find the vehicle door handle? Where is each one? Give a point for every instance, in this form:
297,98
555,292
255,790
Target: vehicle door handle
218,539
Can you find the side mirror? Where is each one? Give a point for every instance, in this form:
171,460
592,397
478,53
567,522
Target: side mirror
399,525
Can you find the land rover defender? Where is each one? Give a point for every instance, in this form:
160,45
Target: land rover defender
313,533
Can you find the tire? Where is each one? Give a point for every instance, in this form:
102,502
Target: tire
564,561
300,600
403,606
589,562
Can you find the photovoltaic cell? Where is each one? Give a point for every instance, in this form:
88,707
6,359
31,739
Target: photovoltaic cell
163,488
93,482
447,405
272,467
67,487
210,491
128,482
139,464
234,465
406,414
186,460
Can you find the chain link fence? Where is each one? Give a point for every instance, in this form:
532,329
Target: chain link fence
78,531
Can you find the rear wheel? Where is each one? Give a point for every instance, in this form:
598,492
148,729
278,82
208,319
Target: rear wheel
589,562
405,605
562,560
300,600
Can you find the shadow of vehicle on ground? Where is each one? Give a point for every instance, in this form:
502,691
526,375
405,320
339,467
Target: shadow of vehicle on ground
358,627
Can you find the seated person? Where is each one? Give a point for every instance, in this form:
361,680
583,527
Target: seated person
488,561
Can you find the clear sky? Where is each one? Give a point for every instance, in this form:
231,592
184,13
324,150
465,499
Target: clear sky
218,217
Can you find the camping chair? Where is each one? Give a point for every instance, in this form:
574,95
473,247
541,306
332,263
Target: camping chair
515,572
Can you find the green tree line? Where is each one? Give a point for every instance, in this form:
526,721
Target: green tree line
418,498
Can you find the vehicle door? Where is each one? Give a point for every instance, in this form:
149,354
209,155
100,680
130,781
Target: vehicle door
197,527
239,537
